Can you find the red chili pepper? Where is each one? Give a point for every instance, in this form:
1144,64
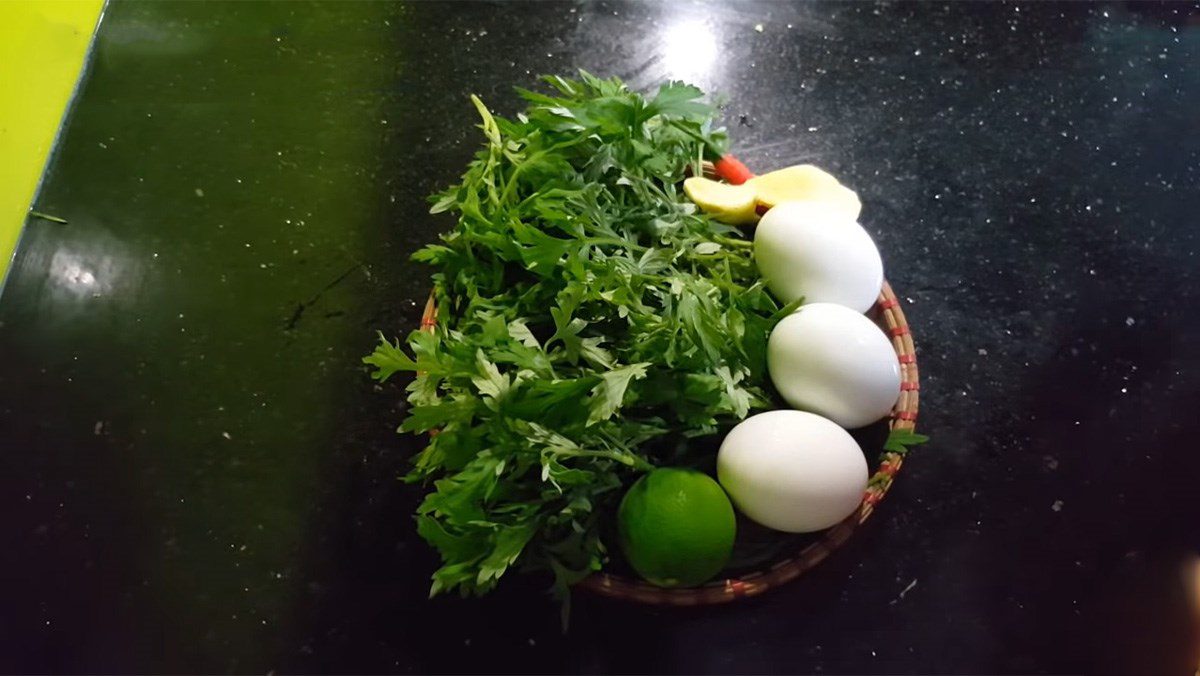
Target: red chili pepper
732,170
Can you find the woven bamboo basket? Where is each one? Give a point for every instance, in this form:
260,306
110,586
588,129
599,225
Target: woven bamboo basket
890,317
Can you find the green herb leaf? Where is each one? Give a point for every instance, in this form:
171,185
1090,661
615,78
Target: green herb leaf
899,441
609,394
387,359
677,98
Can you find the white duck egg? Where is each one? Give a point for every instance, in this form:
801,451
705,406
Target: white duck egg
806,249
835,362
792,471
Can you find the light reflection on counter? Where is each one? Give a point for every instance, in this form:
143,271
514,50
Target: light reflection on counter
70,271
689,51
78,271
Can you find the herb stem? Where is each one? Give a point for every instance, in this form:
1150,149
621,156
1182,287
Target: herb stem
628,460
730,241
47,217
616,241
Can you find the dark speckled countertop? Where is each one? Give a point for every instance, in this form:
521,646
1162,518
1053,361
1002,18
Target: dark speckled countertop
197,475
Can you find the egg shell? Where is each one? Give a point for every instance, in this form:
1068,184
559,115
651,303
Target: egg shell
833,361
810,250
792,471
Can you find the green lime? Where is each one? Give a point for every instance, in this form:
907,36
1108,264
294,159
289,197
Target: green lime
676,527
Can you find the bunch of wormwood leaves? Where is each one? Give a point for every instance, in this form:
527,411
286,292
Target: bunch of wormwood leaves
590,321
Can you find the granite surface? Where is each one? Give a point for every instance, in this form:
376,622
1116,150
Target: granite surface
197,475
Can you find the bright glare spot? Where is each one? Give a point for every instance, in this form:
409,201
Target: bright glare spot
689,50
77,275
80,276
69,269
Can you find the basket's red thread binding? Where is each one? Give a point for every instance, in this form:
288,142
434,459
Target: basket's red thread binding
888,303
908,359
898,331
909,386
735,587
906,415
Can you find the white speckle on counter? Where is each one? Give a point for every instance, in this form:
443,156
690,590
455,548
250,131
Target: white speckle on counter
199,192
1057,506
982,352
1129,321
758,27
226,435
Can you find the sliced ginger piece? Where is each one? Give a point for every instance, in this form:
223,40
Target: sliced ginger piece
733,204
805,183
844,200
